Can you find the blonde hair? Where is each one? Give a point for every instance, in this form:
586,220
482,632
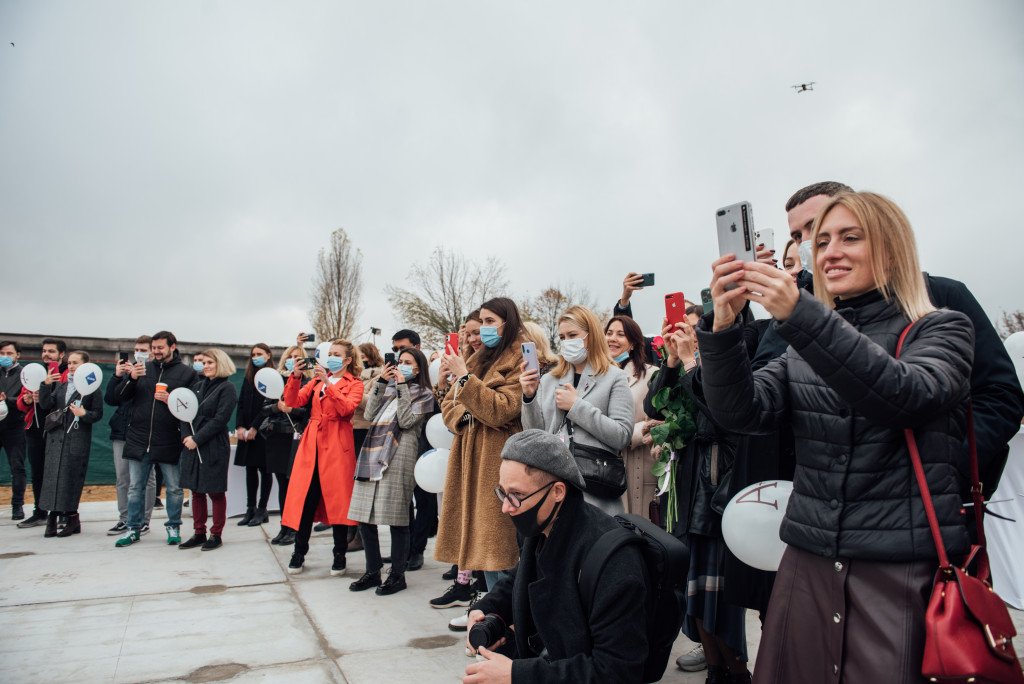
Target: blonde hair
598,355
356,366
892,252
225,366
286,355
532,332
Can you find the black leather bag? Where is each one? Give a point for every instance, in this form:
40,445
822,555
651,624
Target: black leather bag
602,470
54,420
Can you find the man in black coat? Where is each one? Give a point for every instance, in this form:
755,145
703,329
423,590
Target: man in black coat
555,638
153,435
12,427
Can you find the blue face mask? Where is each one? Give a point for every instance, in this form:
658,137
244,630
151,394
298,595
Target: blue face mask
289,364
6,362
197,366
259,361
335,363
489,336
622,357
406,371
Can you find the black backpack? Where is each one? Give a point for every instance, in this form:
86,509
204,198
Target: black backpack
667,560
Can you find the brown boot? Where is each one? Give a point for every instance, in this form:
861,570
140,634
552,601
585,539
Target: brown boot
73,525
51,524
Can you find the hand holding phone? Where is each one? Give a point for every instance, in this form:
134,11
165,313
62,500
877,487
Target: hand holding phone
736,234
529,378
530,356
675,308
389,359
648,279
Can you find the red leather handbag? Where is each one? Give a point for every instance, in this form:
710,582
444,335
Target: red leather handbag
968,627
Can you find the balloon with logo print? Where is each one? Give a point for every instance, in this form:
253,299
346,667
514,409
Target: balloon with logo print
88,378
184,404
751,521
32,376
269,383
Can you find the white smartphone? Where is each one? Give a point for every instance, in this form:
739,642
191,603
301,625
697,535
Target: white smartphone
766,237
530,356
736,231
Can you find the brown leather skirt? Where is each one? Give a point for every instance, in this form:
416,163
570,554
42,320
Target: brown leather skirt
840,620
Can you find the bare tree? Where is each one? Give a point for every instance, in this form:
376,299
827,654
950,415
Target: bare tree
337,288
1011,322
443,291
545,308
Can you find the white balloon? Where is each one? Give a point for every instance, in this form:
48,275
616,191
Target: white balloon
431,470
269,383
3,410
184,404
322,351
1015,348
438,434
434,371
32,376
88,378
751,521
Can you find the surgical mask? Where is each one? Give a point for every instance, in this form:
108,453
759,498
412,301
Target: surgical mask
259,361
405,370
289,364
197,366
6,362
573,351
489,336
806,255
526,523
141,357
621,358
335,363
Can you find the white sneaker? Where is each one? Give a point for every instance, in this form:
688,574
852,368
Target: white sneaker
459,624
694,661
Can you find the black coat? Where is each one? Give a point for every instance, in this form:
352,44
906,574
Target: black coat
542,598
10,385
854,493
279,433
216,402
152,429
249,415
67,447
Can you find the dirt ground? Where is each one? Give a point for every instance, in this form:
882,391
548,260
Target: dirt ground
90,493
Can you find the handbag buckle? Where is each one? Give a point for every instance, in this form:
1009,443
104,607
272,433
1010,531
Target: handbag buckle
996,644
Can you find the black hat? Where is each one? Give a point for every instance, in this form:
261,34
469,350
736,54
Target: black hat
544,451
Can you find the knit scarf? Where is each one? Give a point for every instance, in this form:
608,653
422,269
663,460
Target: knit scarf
384,436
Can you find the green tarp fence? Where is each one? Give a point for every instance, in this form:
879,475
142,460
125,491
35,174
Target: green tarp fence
101,457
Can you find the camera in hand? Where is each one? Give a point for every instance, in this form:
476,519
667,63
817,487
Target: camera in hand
307,364
487,632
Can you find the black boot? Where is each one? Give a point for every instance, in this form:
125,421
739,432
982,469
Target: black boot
367,581
339,564
51,525
739,677
73,525
287,537
393,584
717,674
247,517
259,517
196,540
277,539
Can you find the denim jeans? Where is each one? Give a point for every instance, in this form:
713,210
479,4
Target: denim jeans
139,475
123,476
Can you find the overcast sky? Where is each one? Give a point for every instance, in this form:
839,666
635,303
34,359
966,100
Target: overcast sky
178,164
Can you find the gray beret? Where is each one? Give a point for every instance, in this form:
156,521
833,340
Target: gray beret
544,451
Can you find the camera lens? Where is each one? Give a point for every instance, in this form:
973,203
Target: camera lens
733,227
487,631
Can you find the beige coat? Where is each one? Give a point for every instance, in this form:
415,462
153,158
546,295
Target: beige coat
473,533
641,485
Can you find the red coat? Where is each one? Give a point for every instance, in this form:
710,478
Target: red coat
326,441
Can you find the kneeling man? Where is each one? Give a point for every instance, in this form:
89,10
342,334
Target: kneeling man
552,636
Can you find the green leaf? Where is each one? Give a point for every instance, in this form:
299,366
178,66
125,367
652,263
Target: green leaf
661,399
659,468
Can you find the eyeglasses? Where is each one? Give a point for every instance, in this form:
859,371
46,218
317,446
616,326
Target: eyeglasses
516,501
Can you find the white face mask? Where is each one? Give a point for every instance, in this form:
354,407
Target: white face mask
805,255
141,357
573,351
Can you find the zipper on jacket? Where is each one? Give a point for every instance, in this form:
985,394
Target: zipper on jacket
152,411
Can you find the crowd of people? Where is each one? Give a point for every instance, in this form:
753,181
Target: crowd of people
815,394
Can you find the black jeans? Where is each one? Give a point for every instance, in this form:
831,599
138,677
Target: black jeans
399,548
426,519
35,448
257,477
13,443
282,489
313,496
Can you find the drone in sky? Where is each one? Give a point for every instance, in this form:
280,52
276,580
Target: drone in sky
803,87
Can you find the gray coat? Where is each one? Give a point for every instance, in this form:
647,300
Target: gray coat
386,501
67,453
217,399
602,416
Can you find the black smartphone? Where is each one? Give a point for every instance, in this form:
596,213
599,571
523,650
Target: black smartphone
705,300
648,279
389,359
123,356
307,364
310,337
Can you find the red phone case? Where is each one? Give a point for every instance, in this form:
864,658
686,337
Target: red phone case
453,342
675,308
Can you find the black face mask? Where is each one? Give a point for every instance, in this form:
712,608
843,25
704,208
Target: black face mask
805,281
527,524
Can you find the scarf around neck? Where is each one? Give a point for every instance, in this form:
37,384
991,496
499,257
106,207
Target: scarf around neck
384,436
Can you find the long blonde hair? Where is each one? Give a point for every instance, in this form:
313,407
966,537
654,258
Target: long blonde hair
356,367
532,332
598,355
892,250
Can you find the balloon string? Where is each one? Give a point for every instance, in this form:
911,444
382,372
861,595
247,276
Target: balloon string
197,444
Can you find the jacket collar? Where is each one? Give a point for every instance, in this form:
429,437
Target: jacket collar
866,308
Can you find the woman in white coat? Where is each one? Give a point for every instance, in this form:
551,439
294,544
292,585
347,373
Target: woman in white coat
586,399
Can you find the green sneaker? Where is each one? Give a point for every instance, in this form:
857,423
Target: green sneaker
130,537
173,536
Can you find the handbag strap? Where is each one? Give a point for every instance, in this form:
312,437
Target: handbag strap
922,482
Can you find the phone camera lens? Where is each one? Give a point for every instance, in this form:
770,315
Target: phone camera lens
733,227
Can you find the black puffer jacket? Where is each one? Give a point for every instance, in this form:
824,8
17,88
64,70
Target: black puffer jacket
152,429
854,493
